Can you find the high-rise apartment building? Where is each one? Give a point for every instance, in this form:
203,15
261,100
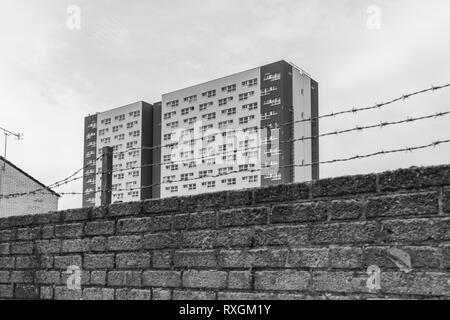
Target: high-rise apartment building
241,131
253,128
130,130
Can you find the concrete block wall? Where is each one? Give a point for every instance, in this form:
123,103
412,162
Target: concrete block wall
299,241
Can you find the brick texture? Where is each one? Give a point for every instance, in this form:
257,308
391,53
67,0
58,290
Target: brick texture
297,241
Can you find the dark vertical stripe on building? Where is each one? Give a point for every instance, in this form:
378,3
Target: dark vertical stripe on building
90,128
146,154
315,129
284,114
156,154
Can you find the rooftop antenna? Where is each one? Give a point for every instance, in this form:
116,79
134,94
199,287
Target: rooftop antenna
19,136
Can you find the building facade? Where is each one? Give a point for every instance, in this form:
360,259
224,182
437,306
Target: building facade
14,180
254,128
241,131
130,131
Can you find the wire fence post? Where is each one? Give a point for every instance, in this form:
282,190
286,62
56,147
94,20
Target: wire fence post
107,163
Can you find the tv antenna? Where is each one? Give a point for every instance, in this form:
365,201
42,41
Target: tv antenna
18,136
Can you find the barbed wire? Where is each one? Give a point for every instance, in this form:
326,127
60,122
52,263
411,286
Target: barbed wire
403,97
356,157
247,149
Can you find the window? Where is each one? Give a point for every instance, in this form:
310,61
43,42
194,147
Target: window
224,124
119,117
186,111
187,132
272,76
116,186
269,164
268,115
133,194
134,153
229,134
251,130
245,120
100,133
172,167
172,146
131,144
224,101
250,179
119,196
229,182
190,120
89,154
224,147
247,143
172,103
120,137
168,136
172,189
105,140
246,167
250,154
209,184
209,161
135,113
167,158
229,112
250,83
205,173
191,99
119,176
209,94
272,102
229,159
131,124
131,164
273,176
226,170
169,115
210,138
191,186
190,164
205,128
268,90
186,176
250,106
117,128
187,154
229,88
130,184
90,135
119,156
172,125
106,121
134,173
135,133
205,106
206,151
168,179
246,95
209,116
117,147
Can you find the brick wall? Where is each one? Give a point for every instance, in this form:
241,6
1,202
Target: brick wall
302,241
13,181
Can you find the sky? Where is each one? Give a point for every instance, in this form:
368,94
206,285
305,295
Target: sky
361,52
